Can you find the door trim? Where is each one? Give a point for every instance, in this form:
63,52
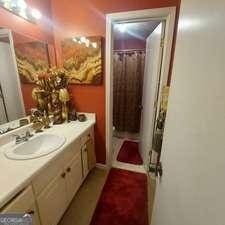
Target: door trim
168,14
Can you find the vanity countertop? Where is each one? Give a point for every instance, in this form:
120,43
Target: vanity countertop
17,174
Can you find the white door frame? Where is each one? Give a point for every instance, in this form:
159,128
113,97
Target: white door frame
168,14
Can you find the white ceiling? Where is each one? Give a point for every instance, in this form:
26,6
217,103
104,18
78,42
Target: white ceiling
140,30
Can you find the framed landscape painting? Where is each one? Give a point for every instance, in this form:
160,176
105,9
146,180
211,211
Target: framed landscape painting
32,57
82,59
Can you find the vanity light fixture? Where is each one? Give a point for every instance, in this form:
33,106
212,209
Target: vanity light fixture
12,5
21,4
36,14
6,3
84,40
20,8
23,14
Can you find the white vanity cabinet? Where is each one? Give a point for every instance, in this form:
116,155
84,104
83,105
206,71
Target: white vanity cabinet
54,187
24,202
58,183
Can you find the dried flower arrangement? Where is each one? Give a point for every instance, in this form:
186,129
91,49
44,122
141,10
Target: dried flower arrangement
51,94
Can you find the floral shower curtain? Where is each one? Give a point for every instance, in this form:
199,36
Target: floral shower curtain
128,70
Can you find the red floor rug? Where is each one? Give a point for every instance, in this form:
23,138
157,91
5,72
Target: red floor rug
129,153
123,200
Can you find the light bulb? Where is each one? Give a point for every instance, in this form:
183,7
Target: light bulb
21,4
23,13
83,39
94,44
7,4
87,43
36,14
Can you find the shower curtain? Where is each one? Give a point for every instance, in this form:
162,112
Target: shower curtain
128,70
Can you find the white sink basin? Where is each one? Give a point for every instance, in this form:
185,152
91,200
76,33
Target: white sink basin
35,147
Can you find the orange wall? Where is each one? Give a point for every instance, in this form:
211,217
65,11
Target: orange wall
87,17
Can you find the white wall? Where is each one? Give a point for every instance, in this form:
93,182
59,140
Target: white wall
192,190
9,82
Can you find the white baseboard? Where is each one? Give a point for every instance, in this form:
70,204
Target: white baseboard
101,166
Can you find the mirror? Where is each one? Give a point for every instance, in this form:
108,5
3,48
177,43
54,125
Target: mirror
21,60
32,59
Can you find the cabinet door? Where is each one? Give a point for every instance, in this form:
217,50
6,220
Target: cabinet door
73,177
91,154
52,201
41,181
84,156
24,203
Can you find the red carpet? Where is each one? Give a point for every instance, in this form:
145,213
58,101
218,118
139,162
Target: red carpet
123,200
129,153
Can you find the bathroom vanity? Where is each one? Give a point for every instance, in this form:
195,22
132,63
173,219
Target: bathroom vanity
45,186
41,173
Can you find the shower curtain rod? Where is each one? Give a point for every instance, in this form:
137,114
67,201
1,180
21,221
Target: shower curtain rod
129,50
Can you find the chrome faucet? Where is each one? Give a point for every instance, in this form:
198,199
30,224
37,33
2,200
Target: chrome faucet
20,139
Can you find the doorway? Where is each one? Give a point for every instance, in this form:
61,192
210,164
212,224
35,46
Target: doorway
134,45
119,19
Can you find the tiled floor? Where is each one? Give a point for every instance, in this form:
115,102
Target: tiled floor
117,143
83,205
